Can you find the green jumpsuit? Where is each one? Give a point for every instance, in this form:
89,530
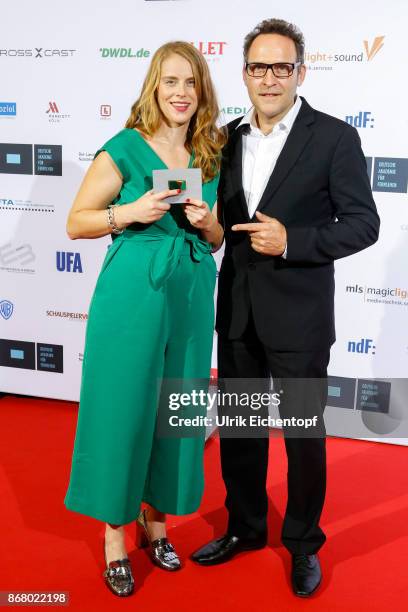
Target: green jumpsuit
151,318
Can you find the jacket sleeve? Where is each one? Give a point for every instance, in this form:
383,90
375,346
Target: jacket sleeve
356,223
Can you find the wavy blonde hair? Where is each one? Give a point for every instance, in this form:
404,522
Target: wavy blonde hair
203,136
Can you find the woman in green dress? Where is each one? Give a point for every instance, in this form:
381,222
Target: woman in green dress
151,316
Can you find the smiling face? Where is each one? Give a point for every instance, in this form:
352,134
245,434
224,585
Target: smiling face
272,97
176,94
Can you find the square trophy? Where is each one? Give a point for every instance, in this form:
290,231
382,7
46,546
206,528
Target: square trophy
186,179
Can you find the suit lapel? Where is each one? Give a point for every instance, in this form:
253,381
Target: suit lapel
294,145
236,170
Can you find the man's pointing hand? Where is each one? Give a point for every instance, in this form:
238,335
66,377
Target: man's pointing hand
268,236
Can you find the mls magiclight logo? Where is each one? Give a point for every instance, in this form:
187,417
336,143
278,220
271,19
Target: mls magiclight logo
6,309
362,347
69,262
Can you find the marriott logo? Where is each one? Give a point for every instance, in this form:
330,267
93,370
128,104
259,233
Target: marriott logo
52,108
54,115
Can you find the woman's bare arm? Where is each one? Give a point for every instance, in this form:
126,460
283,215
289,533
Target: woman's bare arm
88,217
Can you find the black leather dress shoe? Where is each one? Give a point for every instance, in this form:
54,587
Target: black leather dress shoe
306,574
224,548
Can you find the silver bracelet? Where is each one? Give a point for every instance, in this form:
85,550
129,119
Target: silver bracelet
111,220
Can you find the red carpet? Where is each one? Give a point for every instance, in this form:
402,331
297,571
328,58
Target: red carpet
47,548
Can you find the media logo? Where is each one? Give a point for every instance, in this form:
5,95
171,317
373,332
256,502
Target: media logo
15,259
372,50
327,60
52,108
234,111
6,309
212,50
380,295
16,158
17,354
50,357
54,115
105,111
85,156
69,262
362,120
24,205
359,394
48,160
341,392
390,174
8,109
373,395
122,52
20,159
37,52
362,347
22,354
71,316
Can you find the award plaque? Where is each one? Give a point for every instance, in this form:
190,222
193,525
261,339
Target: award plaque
186,179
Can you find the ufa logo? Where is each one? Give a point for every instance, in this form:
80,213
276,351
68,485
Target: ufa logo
69,262
375,47
52,108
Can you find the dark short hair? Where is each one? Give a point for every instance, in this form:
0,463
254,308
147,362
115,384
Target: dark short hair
277,26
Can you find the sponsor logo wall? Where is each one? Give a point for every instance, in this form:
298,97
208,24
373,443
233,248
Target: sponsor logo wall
72,88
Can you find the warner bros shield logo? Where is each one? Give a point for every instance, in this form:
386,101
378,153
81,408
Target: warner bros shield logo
6,309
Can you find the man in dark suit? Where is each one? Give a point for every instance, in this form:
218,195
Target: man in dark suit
294,196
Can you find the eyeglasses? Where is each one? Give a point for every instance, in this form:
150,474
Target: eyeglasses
282,70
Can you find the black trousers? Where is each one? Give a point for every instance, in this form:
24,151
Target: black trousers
244,460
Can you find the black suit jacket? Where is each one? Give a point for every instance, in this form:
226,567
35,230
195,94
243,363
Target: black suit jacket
320,191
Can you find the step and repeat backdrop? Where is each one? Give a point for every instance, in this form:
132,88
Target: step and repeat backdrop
69,75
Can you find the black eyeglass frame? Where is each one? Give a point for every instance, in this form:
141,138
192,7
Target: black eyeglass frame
271,66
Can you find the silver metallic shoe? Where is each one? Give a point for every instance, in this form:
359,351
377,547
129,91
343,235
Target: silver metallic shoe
162,551
118,576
